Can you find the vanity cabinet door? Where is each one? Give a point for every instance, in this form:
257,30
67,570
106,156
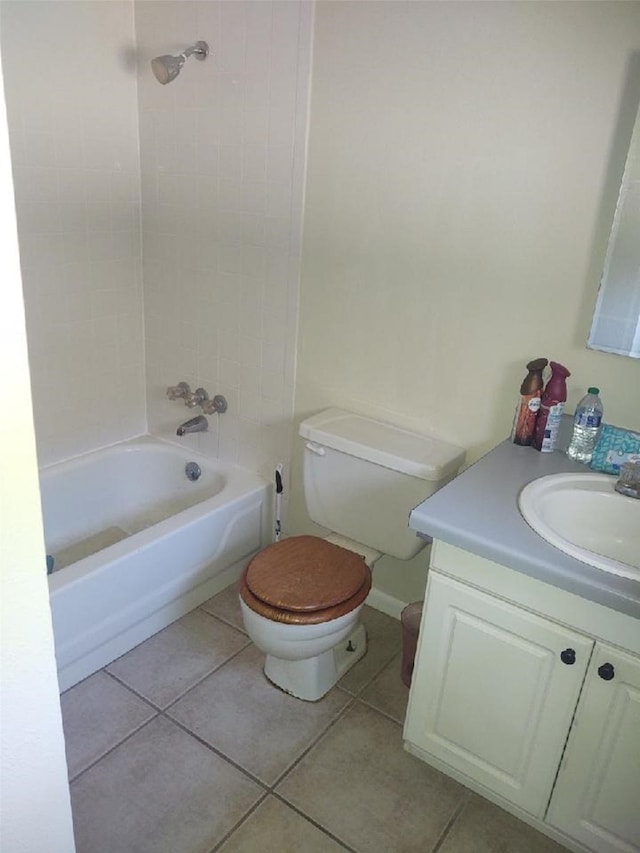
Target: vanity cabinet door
597,796
494,691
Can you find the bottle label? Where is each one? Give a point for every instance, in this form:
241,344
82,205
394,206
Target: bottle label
588,419
524,423
551,428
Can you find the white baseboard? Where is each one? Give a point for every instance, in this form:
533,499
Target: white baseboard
385,603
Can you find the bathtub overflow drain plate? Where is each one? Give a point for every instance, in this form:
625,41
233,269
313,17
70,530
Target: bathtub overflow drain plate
192,470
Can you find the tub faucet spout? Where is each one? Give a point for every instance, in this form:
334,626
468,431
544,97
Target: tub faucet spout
197,424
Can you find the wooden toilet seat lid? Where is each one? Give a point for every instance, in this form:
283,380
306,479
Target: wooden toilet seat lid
306,574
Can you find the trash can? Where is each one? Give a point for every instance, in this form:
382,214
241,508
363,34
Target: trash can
410,621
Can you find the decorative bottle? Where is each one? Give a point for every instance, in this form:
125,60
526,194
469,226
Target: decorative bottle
524,423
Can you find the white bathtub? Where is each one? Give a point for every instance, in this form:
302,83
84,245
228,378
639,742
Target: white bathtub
174,543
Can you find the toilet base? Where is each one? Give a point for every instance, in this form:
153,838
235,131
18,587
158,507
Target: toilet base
311,678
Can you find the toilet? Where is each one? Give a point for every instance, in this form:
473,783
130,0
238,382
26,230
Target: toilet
301,597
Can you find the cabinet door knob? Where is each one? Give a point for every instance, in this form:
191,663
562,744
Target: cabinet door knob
568,656
606,671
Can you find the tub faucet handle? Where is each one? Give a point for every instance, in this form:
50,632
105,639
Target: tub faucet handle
217,406
179,391
196,398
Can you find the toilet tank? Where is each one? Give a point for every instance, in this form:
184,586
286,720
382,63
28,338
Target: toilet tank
363,477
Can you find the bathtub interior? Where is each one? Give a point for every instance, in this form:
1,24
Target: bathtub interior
63,556
94,502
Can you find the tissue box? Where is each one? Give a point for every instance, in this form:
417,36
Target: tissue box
615,447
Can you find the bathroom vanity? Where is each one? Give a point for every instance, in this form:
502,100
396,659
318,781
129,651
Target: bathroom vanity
526,686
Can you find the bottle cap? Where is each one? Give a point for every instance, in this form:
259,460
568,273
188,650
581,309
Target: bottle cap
558,369
533,380
593,390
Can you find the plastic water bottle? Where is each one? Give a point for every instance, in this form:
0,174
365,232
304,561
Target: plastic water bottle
586,427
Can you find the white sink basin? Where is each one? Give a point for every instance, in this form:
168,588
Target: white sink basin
582,515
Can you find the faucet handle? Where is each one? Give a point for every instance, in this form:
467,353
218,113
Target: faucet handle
629,480
179,391
217,406
197,398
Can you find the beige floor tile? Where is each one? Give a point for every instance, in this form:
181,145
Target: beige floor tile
252,722
485,828
276,828
387,693
163,791
159,792
162,668
97,714
383,643
226,606
361,785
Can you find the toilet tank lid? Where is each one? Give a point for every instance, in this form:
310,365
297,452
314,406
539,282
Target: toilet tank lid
383,444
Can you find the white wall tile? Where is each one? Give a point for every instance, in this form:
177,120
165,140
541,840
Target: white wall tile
251,324
231,47
217,152
77,191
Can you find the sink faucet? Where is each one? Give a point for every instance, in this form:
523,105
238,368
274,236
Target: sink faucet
197,424
629,481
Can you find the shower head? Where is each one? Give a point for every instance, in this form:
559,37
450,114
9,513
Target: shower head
166,68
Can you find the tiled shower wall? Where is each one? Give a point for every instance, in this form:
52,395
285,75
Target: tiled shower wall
70,84
222,155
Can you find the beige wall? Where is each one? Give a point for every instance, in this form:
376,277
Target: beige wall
463,161
459,156
71,92
35,811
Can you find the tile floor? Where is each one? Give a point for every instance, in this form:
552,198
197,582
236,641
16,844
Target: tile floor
182,746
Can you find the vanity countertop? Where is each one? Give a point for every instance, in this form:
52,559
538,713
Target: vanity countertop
478,511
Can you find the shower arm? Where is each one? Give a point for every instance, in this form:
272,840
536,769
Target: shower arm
200,50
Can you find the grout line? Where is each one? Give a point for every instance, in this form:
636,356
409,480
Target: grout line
380,711
264,785
204,677
378,672
113,748
268,787
132,690
224,621
314,822
351,700
454,817
191,687
163,712
245,817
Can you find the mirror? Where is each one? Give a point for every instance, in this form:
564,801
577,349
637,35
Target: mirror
616,319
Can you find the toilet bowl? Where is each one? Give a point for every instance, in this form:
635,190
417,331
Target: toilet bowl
300,600
301,597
